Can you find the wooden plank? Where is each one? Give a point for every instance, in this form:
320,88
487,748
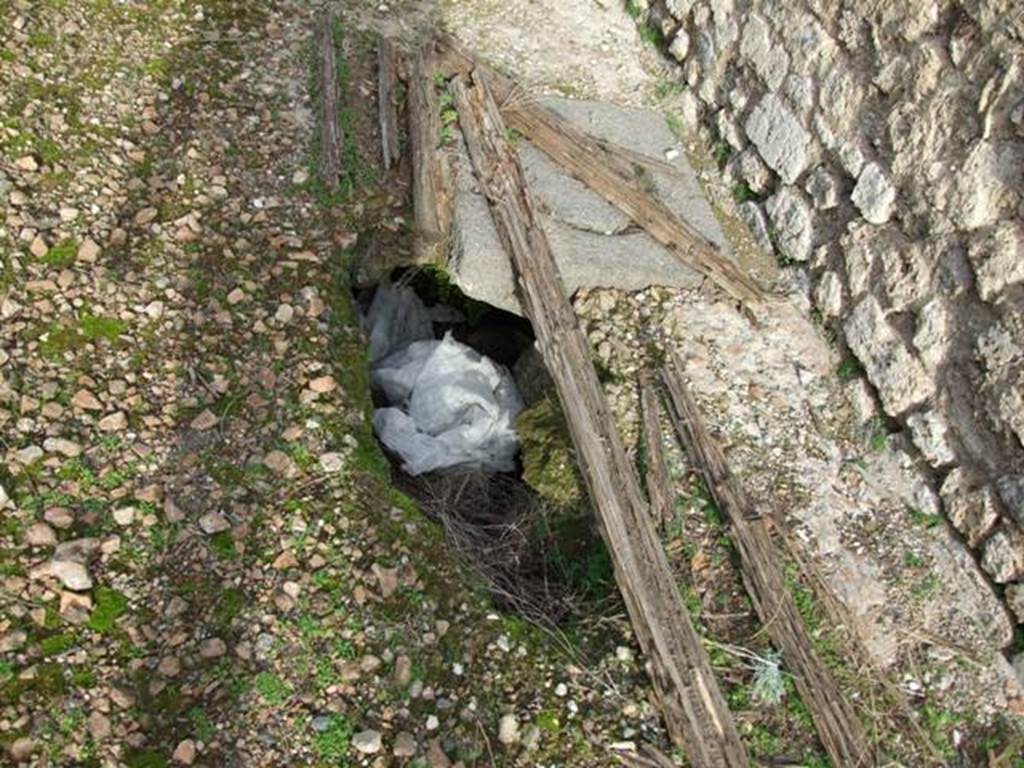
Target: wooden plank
695,711
330,131
611,174
431,179
840,731
387,82
658,488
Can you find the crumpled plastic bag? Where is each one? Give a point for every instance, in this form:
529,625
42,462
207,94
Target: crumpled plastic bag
396,318
451,408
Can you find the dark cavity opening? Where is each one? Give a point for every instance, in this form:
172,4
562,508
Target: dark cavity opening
529,531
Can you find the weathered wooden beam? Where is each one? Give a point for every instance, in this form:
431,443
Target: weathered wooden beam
431,179
840,731
612,174
658,488
695,711
330,130
387,82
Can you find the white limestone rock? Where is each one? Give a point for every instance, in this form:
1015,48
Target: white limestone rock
930,432
790,216
780,137
874,194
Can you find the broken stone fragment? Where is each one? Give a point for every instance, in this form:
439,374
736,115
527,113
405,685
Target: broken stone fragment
72,575
185,752
115,422
779,137
204,421
40,535
213,522
405,745
368,742
74,607
78,550
508,730
1003,555
874,194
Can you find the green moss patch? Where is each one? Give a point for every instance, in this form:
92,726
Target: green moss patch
109,605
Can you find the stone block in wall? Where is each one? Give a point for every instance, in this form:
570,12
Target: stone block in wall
907,269
996,349
771,62
874,194
1003,554
1011,491
823,187
751,168
752,215
790,216
900,378
679,48
1011,408
973,511
996,258
779,136
1015,600
932,332
930,432
987,187
828,294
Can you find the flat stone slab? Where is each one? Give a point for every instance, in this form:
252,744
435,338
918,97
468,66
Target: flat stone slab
595,244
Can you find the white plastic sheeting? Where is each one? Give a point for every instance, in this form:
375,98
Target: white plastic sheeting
449,406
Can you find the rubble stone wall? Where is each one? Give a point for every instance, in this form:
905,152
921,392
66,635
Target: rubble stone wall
881,144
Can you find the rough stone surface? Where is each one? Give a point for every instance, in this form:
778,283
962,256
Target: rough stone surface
901,379
791,220
587,235
1003,556
874,194
779,137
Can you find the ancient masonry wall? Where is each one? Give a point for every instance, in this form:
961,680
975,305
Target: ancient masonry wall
880,143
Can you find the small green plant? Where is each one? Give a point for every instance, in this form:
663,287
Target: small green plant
223,545
62,255
742,193
721,152
201,725
666,89
109,606
57,644
849,369
272,688
768,687
332,742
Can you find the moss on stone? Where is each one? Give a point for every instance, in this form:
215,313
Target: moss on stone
549,466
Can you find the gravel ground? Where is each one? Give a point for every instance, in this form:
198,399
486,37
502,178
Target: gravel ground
203,561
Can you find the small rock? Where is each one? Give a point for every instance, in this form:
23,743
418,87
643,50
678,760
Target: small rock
1003,556
169,666
284,313
58,517
332,463
185,752
436,756
213,522
40,535
22,749
26,163
88,251
204,421
279,462
403,671
86,400
212,648
323,384
284,561
236,296
62,446
115,422
508,730
405,745
124,516
98,725
531,737
75,608
387,578
874,194
78,550
72,575
13,640
368,742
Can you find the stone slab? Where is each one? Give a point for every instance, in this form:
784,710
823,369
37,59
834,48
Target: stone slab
594,244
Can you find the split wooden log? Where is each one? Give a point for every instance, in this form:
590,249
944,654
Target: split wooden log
658,489
431,179
840,731
330,130
695,711
387,82
612,174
